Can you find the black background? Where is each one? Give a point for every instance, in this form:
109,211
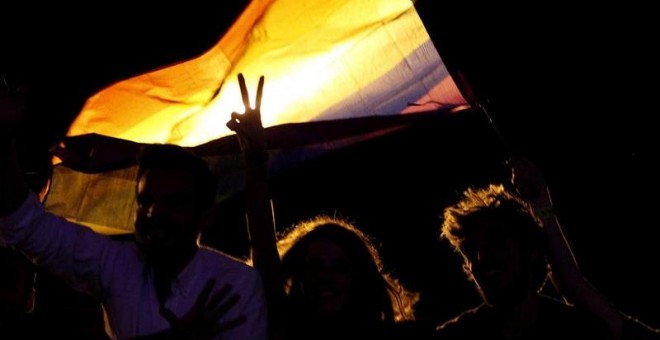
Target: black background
571,89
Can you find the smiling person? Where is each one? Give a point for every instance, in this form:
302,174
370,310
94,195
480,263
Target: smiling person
510,246
337,286
324,278
165,283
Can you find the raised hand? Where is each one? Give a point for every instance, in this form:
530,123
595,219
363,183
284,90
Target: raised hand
12,105
248,126
260,222
13,189
202,321
528,179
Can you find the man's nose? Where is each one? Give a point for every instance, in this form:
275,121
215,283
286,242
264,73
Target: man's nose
479,256
483,254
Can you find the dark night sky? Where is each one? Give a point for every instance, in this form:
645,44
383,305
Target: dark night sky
567,89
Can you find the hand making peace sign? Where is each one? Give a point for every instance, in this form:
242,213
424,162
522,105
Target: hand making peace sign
248,126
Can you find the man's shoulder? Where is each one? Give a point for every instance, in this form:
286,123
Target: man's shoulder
561,319
221,259
467,322
560,312
228,269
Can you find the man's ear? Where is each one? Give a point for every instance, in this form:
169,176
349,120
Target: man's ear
31,297
467,268
208,218
206,221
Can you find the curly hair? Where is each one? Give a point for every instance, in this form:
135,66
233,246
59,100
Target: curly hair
376,288
495,201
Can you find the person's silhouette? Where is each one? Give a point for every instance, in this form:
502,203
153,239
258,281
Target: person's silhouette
155,283
326,280
508,244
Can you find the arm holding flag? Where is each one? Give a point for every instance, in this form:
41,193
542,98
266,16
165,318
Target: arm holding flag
565,272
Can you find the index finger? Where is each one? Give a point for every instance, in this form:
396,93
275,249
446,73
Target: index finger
244,91
206,291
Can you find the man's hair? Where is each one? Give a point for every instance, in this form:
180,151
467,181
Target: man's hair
175,157
495,202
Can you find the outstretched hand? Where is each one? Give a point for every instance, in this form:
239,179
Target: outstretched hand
202,321
248,125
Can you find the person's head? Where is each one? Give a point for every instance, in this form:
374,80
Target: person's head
332,269
17,282
175,191
501,241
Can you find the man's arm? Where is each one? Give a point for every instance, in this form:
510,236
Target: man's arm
70,251
566,274
13,189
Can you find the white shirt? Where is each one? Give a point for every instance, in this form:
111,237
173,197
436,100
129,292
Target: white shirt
115,273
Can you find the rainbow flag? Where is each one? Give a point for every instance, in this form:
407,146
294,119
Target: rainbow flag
337,72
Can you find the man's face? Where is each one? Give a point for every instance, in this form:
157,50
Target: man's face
167,219
496,262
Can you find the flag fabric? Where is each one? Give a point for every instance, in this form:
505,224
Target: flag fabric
338,63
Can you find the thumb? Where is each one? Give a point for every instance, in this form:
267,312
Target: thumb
169,316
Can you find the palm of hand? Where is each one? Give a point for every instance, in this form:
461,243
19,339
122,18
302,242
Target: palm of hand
202,321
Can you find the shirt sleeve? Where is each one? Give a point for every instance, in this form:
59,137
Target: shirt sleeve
70,251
